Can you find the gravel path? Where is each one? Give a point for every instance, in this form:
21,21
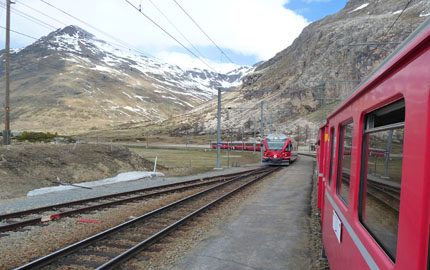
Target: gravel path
37,241
23,203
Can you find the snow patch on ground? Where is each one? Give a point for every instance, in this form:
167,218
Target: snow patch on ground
424,14
122,177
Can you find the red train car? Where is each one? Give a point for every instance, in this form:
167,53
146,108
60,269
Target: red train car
373,166
238,145
249,146
279,149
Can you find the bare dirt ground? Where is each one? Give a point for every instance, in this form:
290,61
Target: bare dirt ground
29,166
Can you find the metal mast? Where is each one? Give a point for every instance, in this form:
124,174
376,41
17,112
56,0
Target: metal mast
6,132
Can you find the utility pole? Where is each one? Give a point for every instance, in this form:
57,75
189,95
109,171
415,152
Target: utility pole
186,142
6,132
255,132
261,130
241,131
218,141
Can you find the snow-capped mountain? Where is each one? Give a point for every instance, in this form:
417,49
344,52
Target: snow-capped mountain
72,81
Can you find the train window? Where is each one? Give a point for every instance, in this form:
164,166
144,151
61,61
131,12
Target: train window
344,167
381,171
428,255
332,146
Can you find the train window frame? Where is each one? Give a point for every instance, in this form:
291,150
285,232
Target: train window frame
372,127
340,157
332,152
428,254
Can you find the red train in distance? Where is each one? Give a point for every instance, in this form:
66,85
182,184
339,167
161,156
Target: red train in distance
237,145
279,149
373,166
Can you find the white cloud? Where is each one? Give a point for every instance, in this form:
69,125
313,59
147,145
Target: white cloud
258,28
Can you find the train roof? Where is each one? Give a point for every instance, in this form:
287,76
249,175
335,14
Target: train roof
404,50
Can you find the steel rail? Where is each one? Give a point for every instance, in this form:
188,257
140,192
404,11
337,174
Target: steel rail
67,204
155,237
50,258
170,188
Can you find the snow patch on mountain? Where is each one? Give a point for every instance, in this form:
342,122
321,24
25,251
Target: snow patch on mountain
83,47
360,7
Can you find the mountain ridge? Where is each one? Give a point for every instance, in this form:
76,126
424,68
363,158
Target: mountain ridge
72,81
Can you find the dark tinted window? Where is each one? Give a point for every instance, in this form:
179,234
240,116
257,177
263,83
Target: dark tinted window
344,168
381,174
274,144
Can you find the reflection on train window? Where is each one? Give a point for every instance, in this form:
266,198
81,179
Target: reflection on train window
343,171
381,174
332,145
275,143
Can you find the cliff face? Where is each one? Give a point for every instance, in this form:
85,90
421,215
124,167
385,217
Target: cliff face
304,82
331,56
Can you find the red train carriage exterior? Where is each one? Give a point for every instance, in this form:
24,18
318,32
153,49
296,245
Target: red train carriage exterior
374,166
252,146
239,145
279,149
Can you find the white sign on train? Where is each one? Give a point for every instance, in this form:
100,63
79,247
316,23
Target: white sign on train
337,226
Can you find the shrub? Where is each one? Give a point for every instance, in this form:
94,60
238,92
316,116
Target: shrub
36,136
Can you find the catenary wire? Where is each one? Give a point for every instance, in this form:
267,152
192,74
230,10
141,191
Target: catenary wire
385,35
119,41
64,24
19,33
30,18
42,13
167,33
177,29
201,29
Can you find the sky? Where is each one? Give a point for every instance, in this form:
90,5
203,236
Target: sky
247,31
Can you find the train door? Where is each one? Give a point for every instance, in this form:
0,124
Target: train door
320,165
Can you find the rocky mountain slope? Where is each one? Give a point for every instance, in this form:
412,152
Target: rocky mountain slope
70,81
320,69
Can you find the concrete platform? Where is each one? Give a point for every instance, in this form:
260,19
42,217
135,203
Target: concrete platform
270,232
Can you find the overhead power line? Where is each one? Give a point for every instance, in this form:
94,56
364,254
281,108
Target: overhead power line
384,36
177,29
201,29
167,33
30,18
19,33
42,13
398,17
120,42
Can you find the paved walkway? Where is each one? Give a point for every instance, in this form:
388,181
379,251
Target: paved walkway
270,232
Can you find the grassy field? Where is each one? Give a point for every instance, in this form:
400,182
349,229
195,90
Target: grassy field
186,162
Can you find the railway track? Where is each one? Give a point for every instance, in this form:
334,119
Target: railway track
18,220
112,247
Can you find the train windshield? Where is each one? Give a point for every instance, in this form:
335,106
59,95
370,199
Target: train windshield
275,144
